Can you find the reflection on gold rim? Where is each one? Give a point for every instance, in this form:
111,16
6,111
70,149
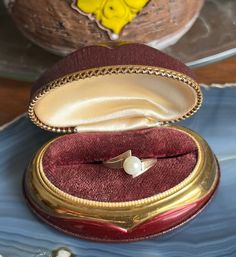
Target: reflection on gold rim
126,215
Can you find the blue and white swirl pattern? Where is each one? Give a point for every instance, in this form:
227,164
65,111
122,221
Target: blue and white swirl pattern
211,234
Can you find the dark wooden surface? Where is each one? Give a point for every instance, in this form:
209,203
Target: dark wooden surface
14,95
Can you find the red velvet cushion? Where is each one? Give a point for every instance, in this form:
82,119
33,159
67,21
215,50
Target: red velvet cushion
72,163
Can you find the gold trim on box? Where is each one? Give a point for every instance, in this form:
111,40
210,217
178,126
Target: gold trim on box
130,214
120,69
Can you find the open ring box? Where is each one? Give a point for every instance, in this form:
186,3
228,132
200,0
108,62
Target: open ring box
107,100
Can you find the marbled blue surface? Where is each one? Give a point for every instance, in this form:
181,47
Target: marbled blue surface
212,234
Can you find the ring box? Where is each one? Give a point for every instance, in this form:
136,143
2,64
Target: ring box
107,100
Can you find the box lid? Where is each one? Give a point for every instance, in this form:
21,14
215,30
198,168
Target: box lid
114,87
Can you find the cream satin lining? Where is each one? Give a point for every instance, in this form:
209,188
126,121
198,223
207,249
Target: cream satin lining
115,102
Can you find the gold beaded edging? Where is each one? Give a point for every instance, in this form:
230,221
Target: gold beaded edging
126,215
204,153
110,70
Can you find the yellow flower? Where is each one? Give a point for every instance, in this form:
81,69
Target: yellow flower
112,14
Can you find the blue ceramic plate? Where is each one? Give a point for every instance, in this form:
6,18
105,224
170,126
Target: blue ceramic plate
211,234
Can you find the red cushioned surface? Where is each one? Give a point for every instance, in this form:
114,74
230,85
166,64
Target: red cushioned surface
73,163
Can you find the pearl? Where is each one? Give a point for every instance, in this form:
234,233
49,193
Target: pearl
132,166
114,36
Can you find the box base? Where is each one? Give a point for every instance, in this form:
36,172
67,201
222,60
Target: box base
104,233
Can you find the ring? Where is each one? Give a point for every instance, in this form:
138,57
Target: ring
132,165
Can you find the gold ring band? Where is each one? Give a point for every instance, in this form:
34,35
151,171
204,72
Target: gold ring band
132,165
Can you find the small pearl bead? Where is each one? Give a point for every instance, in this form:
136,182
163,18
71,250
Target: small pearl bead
132,165
114,36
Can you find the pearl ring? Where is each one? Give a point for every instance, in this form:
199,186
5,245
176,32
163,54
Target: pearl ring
132,165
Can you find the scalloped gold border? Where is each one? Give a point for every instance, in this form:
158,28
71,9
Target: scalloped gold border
120,69
129,214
